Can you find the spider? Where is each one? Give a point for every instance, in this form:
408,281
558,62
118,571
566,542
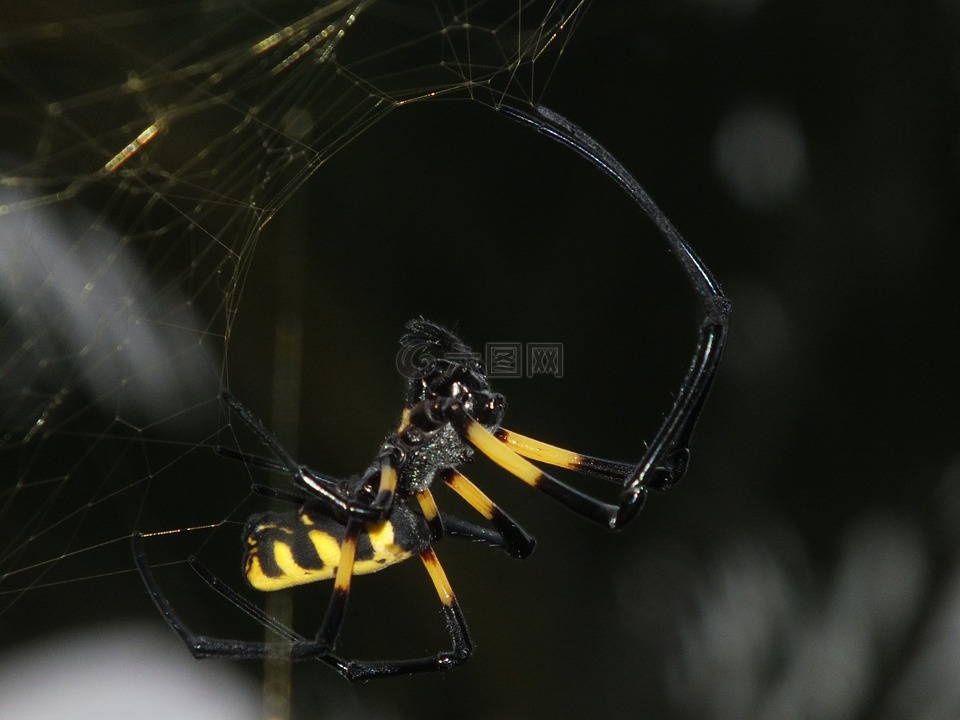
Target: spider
388,514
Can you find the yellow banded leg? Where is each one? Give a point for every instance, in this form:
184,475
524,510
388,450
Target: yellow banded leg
333,619
439,577
431,514
456,627
456,622
476,498
559,457
516,541
507,458
348,553
387,487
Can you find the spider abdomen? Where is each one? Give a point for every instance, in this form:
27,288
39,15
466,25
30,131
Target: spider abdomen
288,549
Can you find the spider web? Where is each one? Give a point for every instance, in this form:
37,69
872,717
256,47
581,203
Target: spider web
146,150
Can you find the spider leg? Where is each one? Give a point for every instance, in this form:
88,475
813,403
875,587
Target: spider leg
297,647
667,457
258,428
559,457
454,527
506,534
336,609
516,541
428,506
201,646
307,480
366,670
248,459
495,449
296,498
274,466
333,619
462,644
456,622
383,501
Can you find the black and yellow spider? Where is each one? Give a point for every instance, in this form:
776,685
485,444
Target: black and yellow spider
386,515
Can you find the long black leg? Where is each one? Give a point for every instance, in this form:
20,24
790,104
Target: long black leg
295,498
297,647
454,527
201,646
667,457
248,459
311,482
258,428
462,644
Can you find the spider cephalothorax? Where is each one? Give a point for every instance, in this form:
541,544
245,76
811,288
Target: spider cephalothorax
453,382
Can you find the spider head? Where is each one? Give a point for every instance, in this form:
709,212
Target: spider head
440,366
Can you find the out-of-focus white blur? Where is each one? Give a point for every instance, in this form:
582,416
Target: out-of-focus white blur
768,639
118,672
79,313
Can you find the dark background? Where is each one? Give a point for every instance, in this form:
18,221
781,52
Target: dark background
807,563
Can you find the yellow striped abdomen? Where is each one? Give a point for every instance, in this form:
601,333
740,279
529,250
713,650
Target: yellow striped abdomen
288,549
